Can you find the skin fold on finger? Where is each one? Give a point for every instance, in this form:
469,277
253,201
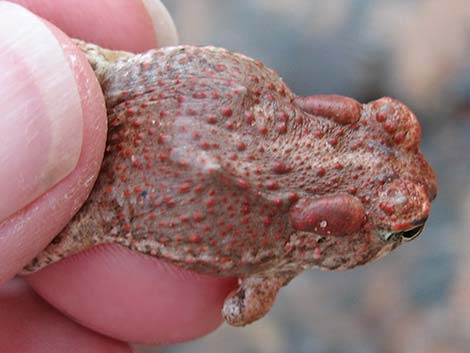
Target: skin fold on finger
29,230
30,325
134,298
132,25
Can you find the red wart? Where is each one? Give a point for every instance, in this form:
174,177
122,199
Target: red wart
343,110
336,215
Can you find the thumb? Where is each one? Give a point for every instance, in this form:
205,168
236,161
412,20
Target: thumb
52,134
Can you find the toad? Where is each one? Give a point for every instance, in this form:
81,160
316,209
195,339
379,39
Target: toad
214,164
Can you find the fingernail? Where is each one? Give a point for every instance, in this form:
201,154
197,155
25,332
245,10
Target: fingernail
163,24
40,110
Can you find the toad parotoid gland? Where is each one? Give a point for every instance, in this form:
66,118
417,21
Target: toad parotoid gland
213,164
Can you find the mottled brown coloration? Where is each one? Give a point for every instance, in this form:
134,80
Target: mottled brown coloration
213,164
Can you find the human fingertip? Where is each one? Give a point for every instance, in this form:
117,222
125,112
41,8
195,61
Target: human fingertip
163,25
134,298
28,324
52,134
41,124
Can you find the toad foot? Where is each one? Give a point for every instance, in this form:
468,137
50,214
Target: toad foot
253,298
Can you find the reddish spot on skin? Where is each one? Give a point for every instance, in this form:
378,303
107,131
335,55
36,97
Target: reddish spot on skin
337,215
249,117
281,128
380,117
210,202
399,137
292,196
281,168
130,112
263,130
282,116
184,188
211,119
194,238
272,185
338,166
343,110
198,216
192,112
390,127
321,172
169,202
241,146
333,141
243,184
226,112
267,221
205,145
387,208
184,219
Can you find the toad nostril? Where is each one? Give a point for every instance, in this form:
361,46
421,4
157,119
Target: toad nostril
398,121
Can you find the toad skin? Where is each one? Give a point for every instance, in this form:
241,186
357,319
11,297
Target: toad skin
213,164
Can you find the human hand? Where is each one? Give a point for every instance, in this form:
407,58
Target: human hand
53,125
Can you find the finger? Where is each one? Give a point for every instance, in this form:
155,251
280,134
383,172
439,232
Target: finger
191,317
133,25
52,134
132,297
29,325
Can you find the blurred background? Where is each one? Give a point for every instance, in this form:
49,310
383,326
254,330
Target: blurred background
416,299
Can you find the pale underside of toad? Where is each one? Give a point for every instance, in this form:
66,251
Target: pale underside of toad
213,164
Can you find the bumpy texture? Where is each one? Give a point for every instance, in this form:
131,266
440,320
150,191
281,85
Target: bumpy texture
212,163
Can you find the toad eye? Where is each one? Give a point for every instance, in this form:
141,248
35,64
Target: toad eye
412,233
406,235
